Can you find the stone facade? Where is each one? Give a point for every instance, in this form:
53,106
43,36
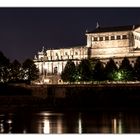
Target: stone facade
102,43
52,62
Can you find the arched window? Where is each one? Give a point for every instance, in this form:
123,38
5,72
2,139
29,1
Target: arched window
55,70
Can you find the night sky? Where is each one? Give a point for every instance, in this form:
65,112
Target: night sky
23,31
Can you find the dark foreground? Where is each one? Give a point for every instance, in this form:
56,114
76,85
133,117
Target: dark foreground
70,109
71,97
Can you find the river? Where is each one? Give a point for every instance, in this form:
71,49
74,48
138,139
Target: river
45,122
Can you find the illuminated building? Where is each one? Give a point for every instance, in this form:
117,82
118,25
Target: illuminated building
102,43
52,62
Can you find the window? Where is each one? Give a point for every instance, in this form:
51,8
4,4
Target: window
76,53
101,38
107,38
95,38
136,37
124,37
118,37
57,57
66,53
112,37
55,70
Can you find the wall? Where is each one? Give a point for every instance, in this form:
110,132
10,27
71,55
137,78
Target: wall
108,48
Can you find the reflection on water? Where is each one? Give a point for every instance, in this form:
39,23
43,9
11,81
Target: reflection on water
89,122
47,123
5,123
46,126
79,124
117,126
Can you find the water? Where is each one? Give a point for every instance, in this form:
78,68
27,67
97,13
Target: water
62,123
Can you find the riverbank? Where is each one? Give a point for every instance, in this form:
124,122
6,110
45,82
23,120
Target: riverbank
70,97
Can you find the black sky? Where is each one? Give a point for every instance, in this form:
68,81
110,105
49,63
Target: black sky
23,31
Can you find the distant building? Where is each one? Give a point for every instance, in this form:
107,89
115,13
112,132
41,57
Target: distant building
102,43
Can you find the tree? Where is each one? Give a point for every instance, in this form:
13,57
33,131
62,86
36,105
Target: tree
137,68
85,70
126,70
110,68
69,72
30,71
98,72
4,68
15,71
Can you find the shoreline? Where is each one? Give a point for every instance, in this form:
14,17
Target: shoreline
71,97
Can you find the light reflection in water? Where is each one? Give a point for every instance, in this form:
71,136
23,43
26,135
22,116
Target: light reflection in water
49,114
59,125
24,131
120,126
6,123
114,125
1,123
9,125
117,126
70,123
46,126
79,124
51,123
1,126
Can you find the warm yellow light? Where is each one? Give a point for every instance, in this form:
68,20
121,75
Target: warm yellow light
120,126
46,80
59,125
115,125
46,126
79,124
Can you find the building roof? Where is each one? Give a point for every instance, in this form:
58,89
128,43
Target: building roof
114,29
70,47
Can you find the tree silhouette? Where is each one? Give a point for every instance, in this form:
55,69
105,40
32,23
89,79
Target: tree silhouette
30,72
137,68
69,72
126,69
15,71
85,70
4,68
110,68
98,72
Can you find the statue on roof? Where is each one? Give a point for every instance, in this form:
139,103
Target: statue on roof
97,25
43,49
86,30
35,57
133,27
